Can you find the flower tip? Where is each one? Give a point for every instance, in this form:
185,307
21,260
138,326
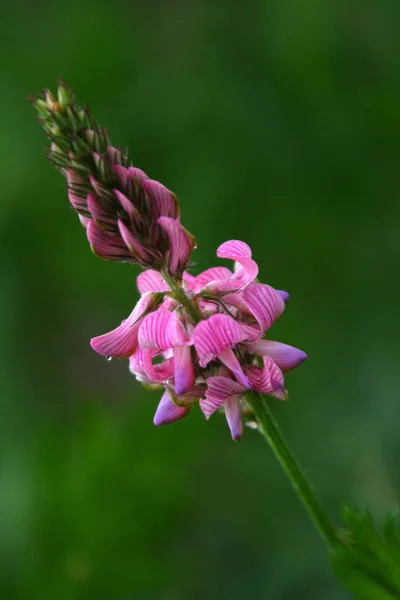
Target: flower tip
284,295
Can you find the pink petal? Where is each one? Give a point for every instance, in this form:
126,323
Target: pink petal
190,281
228,358
286,357
168,412
76,184
137,174
127,206
216,334
234,249
264,303
233,417
151,281
122,341
84,221
181,243
160,372
99,214
219,389
213,274
284,295
132,243
106,244
184,370
268,380
122,174
162,201
155,331
114,155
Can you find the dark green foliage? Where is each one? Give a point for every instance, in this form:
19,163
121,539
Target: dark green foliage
368,562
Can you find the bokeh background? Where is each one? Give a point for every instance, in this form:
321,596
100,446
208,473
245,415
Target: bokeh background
276,122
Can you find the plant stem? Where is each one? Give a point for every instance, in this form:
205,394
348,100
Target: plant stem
179,293
270,429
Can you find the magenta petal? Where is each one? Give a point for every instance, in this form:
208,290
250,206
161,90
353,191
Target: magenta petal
122,341
284,295
168,412
181,242
114,155
219,389
160,372
151,281
286,357
134,246
184,370
137,174
162,201
213,274
216,334
122,174
268,380
232,414
106,244
76,184
243,276
233,249
99,214
155,331
264,303
128,207
228,358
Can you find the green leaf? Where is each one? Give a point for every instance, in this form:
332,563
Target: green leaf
366,561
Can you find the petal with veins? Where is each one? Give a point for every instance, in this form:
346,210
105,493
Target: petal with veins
122,341
184,370
181,243
168,412
151,281
232,414
285,356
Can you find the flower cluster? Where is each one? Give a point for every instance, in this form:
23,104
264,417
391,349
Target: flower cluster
215,357
200,338
128,217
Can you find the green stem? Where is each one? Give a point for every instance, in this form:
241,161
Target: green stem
270,429
179,294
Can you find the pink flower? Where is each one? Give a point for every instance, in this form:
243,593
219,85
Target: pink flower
215,361
134,219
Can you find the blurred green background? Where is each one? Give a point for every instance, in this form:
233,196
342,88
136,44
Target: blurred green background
275,122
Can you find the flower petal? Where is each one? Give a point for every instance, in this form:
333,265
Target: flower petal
284,295
132,243
246,269
234,249
216,334
77,191
213,274
285,356
98,212
168,412
151,281
122,341
128,206
162,202
268,380
181,243
155,331
233,417
219,389
160,372
228,358
106,244
264,303
184,370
